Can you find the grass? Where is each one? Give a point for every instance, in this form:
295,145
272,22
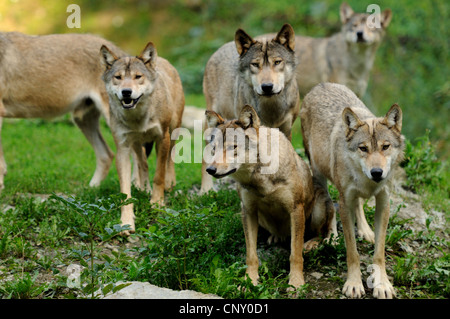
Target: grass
195,242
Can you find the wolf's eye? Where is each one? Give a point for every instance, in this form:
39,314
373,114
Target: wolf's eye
386,147
277,62
137,76
255,64
118,77
363,149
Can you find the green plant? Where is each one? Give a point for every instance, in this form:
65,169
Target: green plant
92,214
23,287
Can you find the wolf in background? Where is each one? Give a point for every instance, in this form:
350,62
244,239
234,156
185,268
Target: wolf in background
49,76
346,57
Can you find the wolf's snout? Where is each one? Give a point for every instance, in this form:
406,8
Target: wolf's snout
377,174
267,88
211,170
126,93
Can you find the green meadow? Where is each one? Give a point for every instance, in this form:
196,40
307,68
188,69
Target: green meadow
50,219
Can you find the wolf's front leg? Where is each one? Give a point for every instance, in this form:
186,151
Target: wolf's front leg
123,164
353,287
162,153
250,223
383,289
297,236
363,227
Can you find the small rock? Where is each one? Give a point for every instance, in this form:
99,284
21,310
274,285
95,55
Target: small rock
316,275
145,290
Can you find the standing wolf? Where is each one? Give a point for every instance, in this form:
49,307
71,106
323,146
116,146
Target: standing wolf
276,187
358,153
147,103
48,76
346,57
259,72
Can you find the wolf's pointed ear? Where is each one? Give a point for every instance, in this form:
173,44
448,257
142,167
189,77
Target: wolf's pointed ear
107,57
243,42
345,12
385,18
393,118
248,118
149,55
286,37
213,119
351,121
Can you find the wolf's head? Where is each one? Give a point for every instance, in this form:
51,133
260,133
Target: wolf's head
232,142
267,64
375,145
128,79
363,28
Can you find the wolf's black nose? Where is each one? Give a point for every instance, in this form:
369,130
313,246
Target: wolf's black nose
267,87
211,170
359,35
376,174
127,92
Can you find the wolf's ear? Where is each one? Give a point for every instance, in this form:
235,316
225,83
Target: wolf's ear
351,121
107,58
385,18
286,37
148,55
213,119
243,41
393,118
248,118
345,12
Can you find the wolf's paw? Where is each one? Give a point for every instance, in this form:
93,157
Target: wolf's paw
384,290
310,245
353,289
367,234
130,230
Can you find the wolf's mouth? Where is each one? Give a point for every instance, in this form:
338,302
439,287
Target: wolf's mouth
223,175
129,103
270,94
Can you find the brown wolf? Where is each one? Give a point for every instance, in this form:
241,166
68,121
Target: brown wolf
147,102
276,193
346,57
358,153
259,72
48,76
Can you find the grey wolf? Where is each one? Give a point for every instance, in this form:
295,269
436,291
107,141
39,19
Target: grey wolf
346,57
259,72
147,102
282,201
358,153
48,76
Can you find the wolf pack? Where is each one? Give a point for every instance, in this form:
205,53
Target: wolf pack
253,86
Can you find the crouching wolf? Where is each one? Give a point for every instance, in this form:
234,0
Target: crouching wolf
48,76
276,190
259,72
147,103
346,57
358,153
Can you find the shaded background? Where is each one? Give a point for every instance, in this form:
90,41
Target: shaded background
411,67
